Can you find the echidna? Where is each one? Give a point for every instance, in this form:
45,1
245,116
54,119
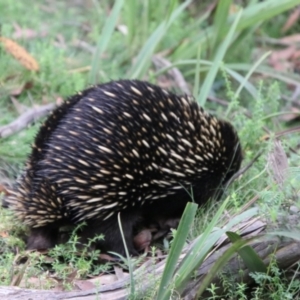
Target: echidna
126,146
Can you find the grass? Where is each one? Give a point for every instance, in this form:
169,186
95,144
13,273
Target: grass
76,44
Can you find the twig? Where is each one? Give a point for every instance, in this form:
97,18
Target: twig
175,74
25,119
243,170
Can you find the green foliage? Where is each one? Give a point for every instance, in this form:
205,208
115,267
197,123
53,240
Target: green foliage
250,258
6,263
103,40
231,288
275,285
144,57
166,285
12,230
12,150
68,255
220,53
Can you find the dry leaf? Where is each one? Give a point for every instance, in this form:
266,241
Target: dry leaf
278,163
104,279
19,90
293,116
291,39
280,60
37,283
20,54
233,9
3,189
106,257
27,33
20,108
293,18
4,234
119,272
283,54
84,285
296,55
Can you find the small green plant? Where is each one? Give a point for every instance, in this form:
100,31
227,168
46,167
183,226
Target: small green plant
275,285
67,258
212,290
6,270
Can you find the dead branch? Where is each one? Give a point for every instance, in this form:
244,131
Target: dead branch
25,119
161,62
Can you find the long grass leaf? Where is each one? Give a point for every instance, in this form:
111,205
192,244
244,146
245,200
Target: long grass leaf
250,258
252,15
289,78
250,72
219,264
144,57
197,74
164,291
130,13
104,39
265,10
196,255
207,84
206,65
220,21
130,266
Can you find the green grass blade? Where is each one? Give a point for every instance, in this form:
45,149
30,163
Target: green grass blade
208,82
130,13
144,57
252,15
219,264
206,65
250,258
250,72
220,21
186,221
241,79
295,234
197,74
130,266
289,78
264,10
195,257
104,39
242,35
